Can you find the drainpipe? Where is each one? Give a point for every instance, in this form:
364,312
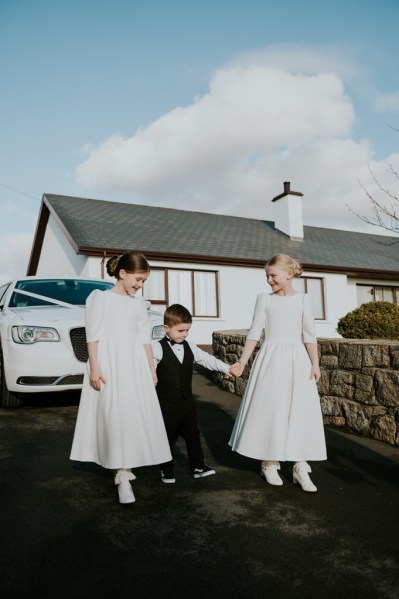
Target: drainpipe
103,263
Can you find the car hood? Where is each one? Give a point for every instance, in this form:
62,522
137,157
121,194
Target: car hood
49,314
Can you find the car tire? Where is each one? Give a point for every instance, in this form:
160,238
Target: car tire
7,399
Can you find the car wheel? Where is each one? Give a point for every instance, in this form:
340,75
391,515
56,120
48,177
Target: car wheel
7,399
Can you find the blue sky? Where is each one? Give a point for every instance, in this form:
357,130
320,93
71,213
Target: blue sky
205,105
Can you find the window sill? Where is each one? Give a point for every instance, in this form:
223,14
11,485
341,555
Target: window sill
208,318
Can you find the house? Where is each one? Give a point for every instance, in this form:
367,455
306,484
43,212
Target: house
212,263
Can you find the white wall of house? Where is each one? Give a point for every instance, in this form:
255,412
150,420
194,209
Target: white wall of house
238,286
57,258
96,268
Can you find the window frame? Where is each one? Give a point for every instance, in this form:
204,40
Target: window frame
165,302
305,278
393,288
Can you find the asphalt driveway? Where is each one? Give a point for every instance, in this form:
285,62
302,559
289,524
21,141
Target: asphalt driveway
64,534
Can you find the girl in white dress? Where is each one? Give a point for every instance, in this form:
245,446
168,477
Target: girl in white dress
280,416
119,424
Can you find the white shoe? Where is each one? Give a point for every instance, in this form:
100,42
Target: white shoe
269,472
125,491
300,476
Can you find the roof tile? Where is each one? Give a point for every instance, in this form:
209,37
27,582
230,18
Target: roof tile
109,225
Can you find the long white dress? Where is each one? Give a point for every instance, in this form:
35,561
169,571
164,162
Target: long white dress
120,426
280,416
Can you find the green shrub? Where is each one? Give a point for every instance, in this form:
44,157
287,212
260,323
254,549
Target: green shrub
374,320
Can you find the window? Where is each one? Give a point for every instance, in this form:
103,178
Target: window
377,293
72,291
180,288
313,286
205,293
197,290
156,287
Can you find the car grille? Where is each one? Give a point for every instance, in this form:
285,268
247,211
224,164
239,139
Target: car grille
71,379
68,379
79,343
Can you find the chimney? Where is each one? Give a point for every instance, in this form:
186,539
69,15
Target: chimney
288,213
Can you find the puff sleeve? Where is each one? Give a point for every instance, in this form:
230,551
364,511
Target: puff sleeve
308,326
95,307
259,318
143,321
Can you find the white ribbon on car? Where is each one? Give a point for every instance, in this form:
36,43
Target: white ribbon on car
50,300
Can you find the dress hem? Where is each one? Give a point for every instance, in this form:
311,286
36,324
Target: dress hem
281,459
118,467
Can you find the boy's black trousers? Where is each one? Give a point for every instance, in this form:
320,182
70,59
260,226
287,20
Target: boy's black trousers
180,418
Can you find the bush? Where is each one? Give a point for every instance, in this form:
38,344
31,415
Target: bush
374,320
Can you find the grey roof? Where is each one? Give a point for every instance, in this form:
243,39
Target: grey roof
98,224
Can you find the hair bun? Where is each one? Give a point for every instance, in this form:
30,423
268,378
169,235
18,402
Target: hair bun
297,268
286,263
131,262
112,265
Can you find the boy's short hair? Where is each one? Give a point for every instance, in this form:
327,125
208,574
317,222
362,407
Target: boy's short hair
176,314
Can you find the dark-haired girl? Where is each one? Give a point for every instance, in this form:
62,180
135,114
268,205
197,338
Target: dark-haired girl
119,424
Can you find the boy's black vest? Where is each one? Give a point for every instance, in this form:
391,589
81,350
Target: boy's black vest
174,379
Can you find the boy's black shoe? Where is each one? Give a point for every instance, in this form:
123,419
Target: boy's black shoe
202,472
167,477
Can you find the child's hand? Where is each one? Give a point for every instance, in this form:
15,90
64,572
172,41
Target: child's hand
237,369
96,378
315,373
154,376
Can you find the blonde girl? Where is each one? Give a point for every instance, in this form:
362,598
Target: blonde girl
279,418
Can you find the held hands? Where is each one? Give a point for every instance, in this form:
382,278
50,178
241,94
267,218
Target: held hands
229,374
96,378
236,369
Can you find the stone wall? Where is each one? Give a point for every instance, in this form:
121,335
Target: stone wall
359,385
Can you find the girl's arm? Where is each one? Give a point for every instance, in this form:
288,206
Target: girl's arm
309,337
314,359
150,357
96,376
254,334
238,368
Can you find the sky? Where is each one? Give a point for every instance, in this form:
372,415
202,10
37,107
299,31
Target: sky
206,106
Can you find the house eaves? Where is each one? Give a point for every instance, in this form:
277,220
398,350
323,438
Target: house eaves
102,228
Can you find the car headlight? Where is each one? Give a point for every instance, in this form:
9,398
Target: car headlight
25,334
158,332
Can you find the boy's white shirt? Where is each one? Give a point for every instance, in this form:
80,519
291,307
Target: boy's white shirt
200,356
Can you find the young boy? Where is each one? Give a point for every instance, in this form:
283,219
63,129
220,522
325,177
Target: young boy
174,358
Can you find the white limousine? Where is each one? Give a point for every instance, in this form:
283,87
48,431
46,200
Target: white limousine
42,335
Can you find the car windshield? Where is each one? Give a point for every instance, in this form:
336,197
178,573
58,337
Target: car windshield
72,291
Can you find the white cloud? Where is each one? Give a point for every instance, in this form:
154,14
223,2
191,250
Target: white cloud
331,58
14,256
275,116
